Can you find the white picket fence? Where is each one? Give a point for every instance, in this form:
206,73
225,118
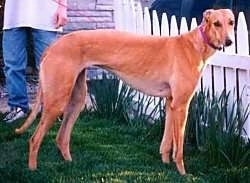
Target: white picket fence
228,69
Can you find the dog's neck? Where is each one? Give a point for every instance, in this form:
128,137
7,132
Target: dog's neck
200,42
200,46
206,40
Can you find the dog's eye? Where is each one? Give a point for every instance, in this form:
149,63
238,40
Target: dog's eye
231,22
217,24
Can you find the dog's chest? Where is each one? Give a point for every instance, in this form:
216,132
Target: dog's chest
149,87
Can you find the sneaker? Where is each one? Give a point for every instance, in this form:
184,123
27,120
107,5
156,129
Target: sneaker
60,118
14,114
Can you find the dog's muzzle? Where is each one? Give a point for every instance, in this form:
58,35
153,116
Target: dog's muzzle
228,42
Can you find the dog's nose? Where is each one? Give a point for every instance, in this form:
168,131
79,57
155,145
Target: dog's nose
228,42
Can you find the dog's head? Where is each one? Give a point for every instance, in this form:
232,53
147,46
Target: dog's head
218,26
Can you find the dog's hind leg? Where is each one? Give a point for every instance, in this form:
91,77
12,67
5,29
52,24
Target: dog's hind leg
35,141
54,102
71,113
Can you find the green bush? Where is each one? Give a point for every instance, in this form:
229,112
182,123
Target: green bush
111,99
106,101
216,127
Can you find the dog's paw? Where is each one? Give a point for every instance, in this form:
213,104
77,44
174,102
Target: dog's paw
165,158
180,168
32,165
18,131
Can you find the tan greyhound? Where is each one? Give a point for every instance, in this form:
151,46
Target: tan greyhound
167,67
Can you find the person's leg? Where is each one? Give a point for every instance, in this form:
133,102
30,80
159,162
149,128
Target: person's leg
41,40
15,61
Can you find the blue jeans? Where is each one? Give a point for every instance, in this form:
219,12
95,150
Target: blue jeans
15,43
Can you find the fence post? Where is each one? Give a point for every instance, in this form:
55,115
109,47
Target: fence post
118,13
139,19
147,22
242,36
247,125
164,25
183,26
173,27
194,24
156,25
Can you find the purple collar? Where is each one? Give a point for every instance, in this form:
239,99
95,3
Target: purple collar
205,39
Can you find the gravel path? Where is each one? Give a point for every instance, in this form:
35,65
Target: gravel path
4,96
32,88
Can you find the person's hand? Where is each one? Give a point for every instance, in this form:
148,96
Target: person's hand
60,17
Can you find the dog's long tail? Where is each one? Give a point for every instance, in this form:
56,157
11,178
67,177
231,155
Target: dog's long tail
35,110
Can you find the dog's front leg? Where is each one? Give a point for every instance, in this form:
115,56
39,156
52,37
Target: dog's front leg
167,139
179,129
179,123
173,137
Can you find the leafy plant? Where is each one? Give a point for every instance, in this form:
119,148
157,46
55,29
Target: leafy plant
216,126
112,99
146,108
106,101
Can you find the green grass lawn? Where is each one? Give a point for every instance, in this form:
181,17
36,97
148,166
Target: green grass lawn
104,151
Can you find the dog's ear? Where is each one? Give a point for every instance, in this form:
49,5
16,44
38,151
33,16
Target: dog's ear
206,15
